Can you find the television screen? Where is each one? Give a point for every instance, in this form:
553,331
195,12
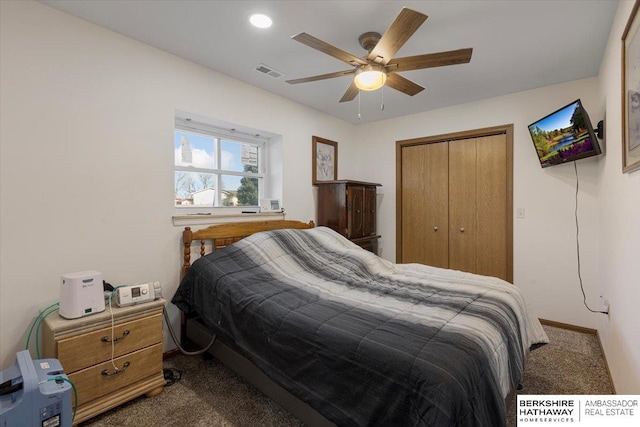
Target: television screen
564,136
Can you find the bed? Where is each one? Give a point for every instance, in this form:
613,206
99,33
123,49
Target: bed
340,336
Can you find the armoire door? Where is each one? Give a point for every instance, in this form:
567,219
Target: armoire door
369,212
355,209
361,203
454,201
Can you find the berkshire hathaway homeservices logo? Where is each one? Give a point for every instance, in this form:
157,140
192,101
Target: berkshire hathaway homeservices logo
583,410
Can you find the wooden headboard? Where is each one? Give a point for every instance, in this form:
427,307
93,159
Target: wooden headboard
222,235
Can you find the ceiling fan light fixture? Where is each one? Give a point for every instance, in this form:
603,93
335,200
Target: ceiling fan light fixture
370,77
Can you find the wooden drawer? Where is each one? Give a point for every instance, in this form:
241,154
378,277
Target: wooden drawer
92,384
368,243
85,350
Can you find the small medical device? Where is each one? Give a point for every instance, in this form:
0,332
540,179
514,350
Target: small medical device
270,205
35,393
137,294
81,294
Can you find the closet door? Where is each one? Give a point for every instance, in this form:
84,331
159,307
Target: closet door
455,201
462,205
477,205
425,200
492,206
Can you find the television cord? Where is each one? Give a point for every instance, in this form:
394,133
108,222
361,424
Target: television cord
584,296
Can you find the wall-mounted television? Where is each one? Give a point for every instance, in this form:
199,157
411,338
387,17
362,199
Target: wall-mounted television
564,136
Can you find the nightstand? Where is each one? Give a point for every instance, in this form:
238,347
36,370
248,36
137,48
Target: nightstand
84,348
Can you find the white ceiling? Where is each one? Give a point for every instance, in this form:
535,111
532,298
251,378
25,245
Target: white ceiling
517,44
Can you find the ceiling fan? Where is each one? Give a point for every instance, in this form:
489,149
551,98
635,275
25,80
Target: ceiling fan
378,67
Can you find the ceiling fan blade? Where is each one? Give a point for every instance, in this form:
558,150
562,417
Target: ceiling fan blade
325,47
430,60
350,94
402,84
321,77
403,27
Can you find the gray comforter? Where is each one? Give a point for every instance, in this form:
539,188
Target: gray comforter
362,340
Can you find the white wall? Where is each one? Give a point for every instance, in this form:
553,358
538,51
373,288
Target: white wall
619,228
87,155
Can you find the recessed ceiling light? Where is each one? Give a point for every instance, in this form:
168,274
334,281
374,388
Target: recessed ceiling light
259,20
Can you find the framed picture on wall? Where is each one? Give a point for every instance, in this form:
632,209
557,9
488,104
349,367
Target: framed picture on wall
631,93
324,160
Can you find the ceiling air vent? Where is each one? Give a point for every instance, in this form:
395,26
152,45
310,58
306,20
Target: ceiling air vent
264,69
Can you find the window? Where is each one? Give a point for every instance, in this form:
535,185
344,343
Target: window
216,167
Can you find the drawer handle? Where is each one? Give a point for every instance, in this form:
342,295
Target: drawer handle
107,339
117,371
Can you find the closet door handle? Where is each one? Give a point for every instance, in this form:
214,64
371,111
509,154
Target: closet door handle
435,228
462,229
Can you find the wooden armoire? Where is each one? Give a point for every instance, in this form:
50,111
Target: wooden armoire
349,207
455,201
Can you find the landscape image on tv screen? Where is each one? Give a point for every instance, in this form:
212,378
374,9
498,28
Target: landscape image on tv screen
564,136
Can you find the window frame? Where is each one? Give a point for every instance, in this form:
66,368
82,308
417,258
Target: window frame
220,134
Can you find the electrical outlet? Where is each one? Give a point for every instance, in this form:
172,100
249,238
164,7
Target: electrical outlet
157,289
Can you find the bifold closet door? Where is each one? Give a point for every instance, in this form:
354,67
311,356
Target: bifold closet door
492,206
477,205
455,201
462,205
425,201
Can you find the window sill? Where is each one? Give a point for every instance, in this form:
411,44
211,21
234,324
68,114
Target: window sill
208,219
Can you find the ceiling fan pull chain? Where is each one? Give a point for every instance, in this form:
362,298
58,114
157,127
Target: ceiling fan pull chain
382,105
359,116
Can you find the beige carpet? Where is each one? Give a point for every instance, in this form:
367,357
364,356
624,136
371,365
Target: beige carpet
211,395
